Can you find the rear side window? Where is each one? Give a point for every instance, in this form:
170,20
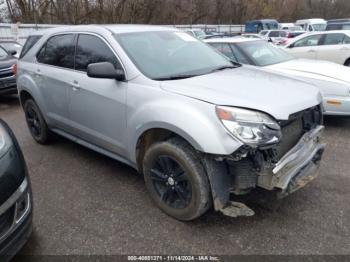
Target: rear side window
333,27
224,49
333,39
241,58
274,34
91,49
283,34
312,40
31,41
58,51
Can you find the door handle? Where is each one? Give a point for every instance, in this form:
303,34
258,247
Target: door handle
75,85
311,51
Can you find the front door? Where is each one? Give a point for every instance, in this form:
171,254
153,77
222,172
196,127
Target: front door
306,47
97,106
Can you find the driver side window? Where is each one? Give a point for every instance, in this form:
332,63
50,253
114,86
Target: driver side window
91,49
313,40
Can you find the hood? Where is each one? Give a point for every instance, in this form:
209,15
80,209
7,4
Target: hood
330,77
249,87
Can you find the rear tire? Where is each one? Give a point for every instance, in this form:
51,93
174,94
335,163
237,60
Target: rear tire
36,122
176,179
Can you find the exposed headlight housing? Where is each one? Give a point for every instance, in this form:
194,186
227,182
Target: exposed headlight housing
250,127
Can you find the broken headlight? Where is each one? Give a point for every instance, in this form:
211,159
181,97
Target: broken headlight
251,127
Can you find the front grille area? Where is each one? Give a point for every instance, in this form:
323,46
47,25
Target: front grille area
296,126
6,72
6,221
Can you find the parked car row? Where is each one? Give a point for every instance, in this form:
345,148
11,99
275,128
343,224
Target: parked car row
332,79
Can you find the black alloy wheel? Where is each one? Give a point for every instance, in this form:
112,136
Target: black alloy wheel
36,122
33,121
171,183
176,179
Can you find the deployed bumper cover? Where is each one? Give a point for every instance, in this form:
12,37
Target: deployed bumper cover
293,171
298,167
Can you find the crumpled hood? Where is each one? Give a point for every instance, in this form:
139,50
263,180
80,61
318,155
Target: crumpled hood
249,87
331,78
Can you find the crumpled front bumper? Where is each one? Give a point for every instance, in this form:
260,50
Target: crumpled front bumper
298,167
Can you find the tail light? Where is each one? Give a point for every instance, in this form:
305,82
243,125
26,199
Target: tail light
14,69
289,35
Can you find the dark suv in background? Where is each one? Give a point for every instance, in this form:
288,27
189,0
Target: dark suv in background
8,70
338,24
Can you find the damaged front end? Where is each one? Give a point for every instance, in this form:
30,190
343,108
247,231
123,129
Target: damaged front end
283,167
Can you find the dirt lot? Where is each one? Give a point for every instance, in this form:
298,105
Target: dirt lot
86,203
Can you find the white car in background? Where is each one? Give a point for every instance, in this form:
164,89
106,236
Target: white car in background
333,80
275,36
314,24
332,46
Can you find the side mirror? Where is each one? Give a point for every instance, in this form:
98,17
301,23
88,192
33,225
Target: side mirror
270,40
13,52
105,70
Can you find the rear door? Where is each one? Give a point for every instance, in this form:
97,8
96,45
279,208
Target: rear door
306,47
334,47
52,74
97,106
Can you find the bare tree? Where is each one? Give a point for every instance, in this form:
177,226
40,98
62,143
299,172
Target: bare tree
168,11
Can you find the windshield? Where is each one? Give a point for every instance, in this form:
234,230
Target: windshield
270,26
3,53
263,53
199,33
170,54
319,27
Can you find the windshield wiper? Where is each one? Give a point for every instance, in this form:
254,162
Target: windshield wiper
174,77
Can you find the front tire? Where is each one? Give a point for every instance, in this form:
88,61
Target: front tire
36,122
176,179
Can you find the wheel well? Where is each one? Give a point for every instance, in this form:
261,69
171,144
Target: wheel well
149,138
24,96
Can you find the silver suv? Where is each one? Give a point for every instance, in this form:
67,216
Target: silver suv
197,126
